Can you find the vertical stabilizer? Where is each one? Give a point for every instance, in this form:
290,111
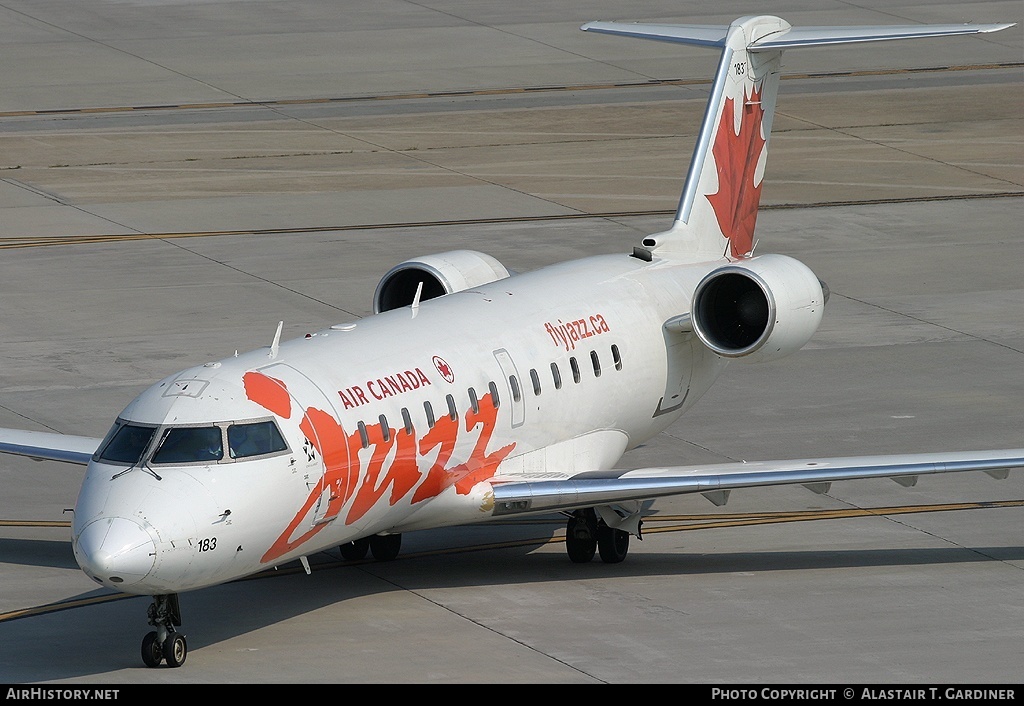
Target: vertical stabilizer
718,208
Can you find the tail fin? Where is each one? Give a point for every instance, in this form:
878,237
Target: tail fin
718,207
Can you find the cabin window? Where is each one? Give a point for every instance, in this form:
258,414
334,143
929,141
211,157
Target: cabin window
556,376
364,436
255,439
597,363
575,369
429,412
453,412
513,384
127,444
190,445
407,420
385,428
494,394
535,379
473,401
616,357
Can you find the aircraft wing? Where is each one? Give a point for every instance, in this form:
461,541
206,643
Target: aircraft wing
524,495
48,446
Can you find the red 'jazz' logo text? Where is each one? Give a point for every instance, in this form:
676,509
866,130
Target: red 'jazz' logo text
356,490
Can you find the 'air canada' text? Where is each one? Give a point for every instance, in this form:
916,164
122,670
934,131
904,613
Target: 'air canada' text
383,387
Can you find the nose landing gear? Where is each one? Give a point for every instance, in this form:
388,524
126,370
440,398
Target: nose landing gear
164,643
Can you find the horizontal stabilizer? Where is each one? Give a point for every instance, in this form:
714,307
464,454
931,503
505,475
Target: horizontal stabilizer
829,36
792,38
699,35
718,207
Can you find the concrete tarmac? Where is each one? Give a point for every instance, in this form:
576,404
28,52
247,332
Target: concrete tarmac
177,177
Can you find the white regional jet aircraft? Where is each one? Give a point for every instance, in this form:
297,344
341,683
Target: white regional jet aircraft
360,432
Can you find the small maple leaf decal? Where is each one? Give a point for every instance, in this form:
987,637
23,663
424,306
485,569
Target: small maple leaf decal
736,156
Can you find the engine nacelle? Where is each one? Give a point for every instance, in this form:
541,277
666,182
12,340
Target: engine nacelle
759,309
440,274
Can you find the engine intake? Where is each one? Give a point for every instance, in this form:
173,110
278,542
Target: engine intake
759,309
442,273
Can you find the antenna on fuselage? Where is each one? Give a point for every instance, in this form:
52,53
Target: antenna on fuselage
416,299
277,341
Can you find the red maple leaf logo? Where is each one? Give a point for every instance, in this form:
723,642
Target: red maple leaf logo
443,368
736,157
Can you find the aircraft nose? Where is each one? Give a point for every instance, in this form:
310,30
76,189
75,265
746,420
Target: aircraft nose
116,551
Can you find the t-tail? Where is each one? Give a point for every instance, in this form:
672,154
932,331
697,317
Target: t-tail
718,208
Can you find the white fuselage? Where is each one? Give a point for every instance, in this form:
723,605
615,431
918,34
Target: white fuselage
391,425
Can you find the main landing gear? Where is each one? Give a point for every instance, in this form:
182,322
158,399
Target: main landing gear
383,547
586,534
164,643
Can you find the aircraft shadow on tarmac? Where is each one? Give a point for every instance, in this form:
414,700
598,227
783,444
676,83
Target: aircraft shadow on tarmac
103,637
52,553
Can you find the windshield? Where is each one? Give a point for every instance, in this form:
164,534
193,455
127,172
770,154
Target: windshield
127,444
255,439
190,445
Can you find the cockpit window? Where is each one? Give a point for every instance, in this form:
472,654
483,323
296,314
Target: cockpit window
255,439
127,444
190,445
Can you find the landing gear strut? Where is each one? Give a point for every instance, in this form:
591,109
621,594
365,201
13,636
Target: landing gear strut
586,534
612,544
383,547
356,550
164,643
581,536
